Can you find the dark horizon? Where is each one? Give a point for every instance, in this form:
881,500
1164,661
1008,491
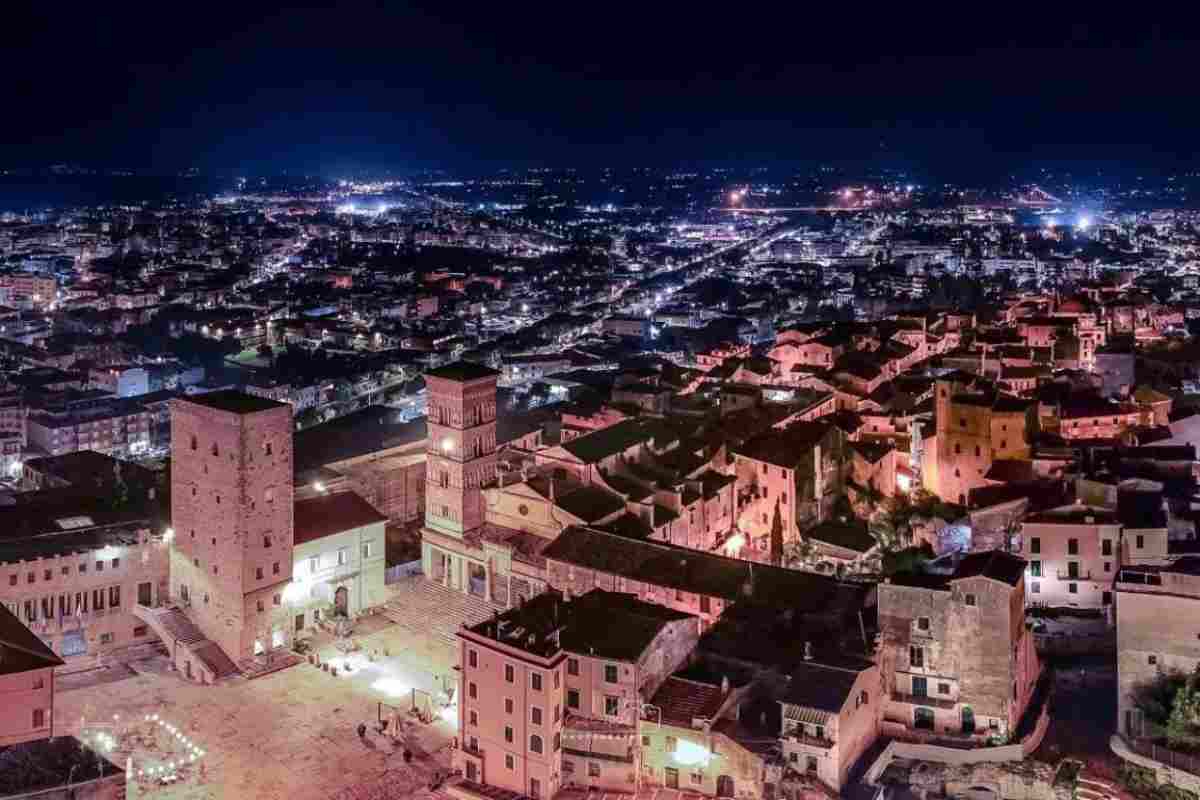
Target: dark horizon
358,89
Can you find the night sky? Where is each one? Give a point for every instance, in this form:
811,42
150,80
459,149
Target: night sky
396,86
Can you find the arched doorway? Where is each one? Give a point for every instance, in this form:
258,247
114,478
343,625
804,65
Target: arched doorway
724,786
341,602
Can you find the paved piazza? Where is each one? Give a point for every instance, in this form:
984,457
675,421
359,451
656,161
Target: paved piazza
290,734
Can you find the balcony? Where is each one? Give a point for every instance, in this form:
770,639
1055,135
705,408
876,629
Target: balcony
923,700
812,741
1067,575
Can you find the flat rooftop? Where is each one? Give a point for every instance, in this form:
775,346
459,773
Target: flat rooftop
234,402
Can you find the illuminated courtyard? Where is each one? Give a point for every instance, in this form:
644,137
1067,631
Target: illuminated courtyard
288,734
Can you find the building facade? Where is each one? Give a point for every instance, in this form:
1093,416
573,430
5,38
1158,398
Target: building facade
231,508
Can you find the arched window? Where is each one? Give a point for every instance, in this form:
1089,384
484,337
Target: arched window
535,744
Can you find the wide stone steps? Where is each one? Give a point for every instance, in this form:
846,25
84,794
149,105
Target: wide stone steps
429,609
173,627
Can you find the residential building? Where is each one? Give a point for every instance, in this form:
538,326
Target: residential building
1073,554
944,680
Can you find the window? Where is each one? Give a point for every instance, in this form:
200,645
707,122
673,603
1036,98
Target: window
472,658
12,580
1035,569
557,679
697,777
267,448
612,705
610,673
473,718
275,568
66,570
923,623
472,691
535,681
343,556
508,733
920,687
314,563
508,761
261,608
277,599
1035,544
509,674
535,743
258,573
99,567
969,599
572,666
1072,547
670,743
508,705
1152,660
1141,541
266,541
367,549
106,638
573,698
216,451
535,788
39,718
557,712
957,449
114,597
535,715
32,577
47,575
1106,547
977,451
194,443
916,657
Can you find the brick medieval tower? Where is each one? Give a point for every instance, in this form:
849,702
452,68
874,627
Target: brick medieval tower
231,510
460,461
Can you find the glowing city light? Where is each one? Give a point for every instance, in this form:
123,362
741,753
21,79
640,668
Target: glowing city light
392,687
690,753
1084,223
734,544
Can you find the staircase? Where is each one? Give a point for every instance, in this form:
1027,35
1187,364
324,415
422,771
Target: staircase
430,610
173,627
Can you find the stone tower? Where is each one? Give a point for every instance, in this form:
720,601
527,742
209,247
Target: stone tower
231,510
461,457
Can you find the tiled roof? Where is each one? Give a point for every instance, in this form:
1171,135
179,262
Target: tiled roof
682,700
327,514
20,649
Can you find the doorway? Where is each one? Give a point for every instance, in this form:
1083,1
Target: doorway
341,602
725,786
671,777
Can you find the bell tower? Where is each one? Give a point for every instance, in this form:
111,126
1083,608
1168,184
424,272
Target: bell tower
461,446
